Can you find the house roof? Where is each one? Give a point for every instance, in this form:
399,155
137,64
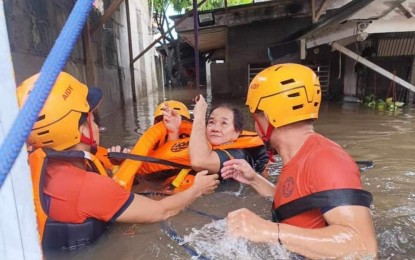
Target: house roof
332,20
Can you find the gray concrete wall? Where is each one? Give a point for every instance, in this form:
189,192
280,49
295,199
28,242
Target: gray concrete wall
248,44
219,79
144,68
33,27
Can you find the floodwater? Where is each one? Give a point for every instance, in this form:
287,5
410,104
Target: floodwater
386,138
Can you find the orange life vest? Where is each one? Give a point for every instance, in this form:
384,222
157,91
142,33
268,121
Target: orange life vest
153,144
178,152
55,234
153,138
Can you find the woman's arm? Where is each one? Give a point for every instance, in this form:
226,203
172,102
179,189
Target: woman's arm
202,157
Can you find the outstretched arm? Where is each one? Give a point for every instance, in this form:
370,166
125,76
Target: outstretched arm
202,157
146,210
350,233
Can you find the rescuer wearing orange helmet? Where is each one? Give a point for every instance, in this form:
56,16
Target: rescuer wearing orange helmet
173,113
68,192
320,209
175,107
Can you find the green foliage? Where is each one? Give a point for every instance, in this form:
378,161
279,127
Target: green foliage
180,6
381,104
160,5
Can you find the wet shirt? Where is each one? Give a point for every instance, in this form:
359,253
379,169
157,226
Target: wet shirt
256,156
319,165
76,194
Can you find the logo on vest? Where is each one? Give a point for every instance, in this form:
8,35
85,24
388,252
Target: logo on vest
288,187
179,146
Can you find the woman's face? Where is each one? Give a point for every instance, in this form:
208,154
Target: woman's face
220,127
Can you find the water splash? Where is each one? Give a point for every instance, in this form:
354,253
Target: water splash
275,168
212,242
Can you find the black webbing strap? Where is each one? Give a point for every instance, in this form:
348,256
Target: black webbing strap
116,155
71,154
63,154
322,199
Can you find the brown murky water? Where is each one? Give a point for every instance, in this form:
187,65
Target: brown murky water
385,138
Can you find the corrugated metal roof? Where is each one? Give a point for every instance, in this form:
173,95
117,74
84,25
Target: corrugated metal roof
396,44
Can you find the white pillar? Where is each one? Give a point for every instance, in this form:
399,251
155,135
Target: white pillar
208,79
18,228
350,79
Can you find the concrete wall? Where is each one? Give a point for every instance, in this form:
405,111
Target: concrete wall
144,68
219,77
248,44
33,27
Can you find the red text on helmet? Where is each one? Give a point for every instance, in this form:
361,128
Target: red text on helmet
67,92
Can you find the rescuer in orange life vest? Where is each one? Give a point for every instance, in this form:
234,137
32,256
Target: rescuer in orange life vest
320,209
168,140
74,198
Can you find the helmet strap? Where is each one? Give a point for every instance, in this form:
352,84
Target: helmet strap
89,140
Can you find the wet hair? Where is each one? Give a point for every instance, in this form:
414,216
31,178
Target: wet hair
238,117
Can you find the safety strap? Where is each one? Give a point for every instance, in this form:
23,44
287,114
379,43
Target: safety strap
180,177
50,153
322,199
117,155
97,166
60,235
63,154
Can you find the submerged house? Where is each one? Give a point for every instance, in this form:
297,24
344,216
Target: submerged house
357,47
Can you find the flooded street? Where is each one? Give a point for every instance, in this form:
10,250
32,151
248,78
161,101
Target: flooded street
386,138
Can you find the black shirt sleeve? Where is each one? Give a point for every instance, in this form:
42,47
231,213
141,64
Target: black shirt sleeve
256,157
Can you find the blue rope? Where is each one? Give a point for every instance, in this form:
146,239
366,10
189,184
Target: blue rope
50,70
175,237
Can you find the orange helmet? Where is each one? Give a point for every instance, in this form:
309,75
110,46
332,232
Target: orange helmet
286,93
173,104
57,126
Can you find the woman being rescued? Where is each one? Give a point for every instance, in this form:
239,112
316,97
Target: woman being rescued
169,139
216,141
